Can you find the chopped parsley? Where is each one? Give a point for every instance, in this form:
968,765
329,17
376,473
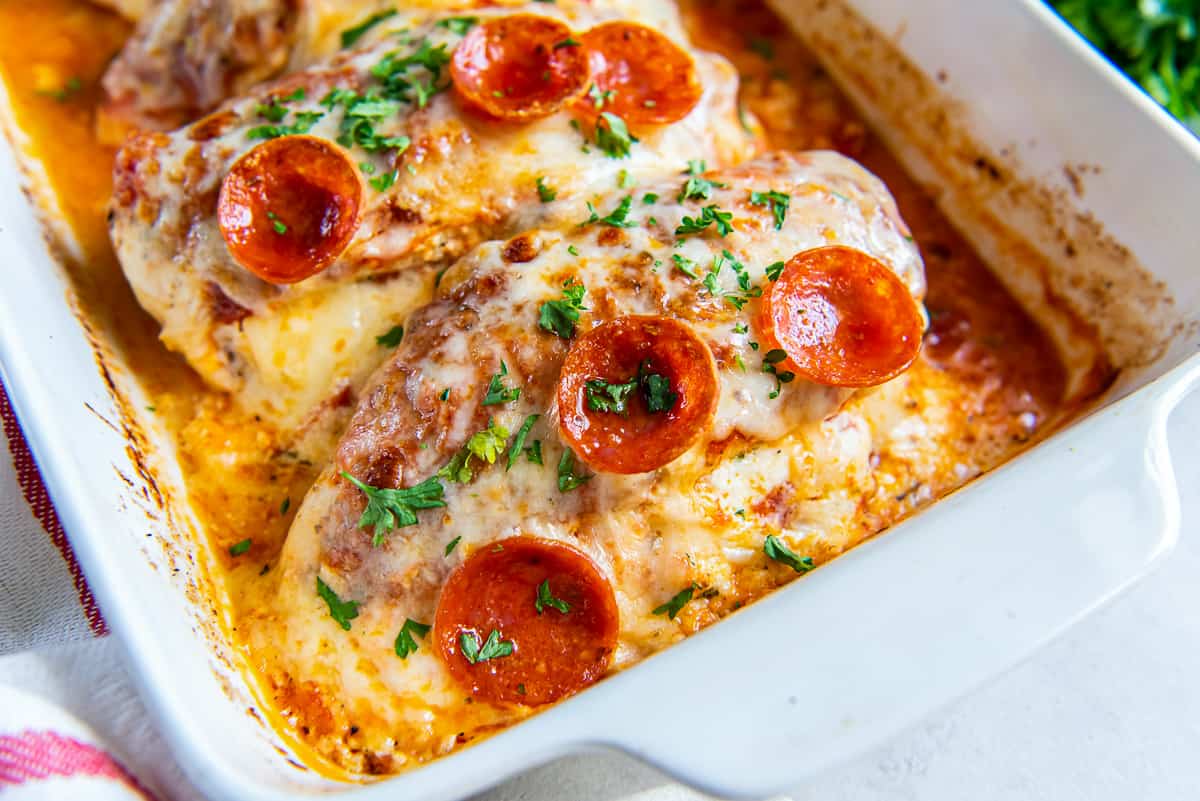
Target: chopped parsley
69,89
656,389
617,218
302,123
518,443
672,607
486,445
274,110
598,97
546,598
392,338
748,290
568,42
458,25
445,394
560,316
695,187
276,223
497,393
775,548
649,198
568,479
612,136
709,215
774,270
388,509
489,443
545,192
603,396
362,114
352,35
452,544
492,648
341,611
283,507
239,548
384,182
770,361
685,265
574,251
405,642
776,201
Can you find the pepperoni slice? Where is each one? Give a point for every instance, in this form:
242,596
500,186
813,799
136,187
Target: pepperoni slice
289,208
638,74
519,67
635,393
540,652
842,317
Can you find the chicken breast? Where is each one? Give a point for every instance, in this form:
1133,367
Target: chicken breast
186,57
468,414
435,178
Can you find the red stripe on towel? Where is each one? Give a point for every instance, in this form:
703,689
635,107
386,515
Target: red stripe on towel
38,755
30,480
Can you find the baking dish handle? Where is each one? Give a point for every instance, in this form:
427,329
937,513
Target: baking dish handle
860,649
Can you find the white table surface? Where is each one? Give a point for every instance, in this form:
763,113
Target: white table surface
1109,712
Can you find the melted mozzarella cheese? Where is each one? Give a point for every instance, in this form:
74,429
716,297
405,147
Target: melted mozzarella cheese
699,521
463,179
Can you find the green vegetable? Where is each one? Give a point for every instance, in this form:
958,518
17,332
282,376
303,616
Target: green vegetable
492,648
568,479
776,201
382,183
770,361
239,548
497,393
559,316
518,443
617,218
452,544
709,215
341,611
656,389
486,445
489,443
352,35
302,123
695,187
775,548
612,135
672,607
546,193
405,642
546,598
458,25
388,509
1154,41
392,338
603,396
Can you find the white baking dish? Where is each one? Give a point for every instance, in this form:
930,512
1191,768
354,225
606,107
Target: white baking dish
821,670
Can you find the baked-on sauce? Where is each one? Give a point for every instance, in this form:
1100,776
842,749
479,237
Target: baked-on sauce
1004,379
